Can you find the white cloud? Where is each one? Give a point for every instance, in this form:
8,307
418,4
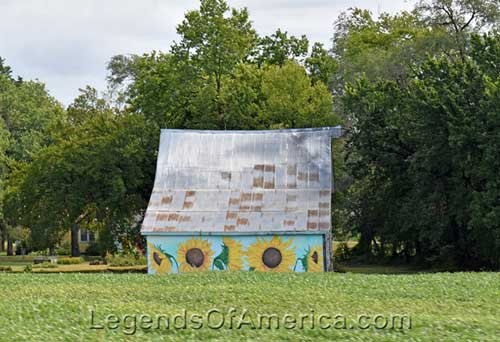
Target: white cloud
66,44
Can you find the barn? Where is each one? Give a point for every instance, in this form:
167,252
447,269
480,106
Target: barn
241,200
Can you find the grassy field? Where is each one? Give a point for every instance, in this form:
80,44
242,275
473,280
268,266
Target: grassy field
442,306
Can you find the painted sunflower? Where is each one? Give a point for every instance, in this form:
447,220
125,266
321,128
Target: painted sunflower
312,260
231,257
315,259
274,255
194,255
159,260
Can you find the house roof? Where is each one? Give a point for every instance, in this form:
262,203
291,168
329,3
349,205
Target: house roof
242,181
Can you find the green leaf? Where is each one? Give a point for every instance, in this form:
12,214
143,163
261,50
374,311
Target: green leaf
219,264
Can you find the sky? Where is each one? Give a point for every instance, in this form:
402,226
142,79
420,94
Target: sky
66,44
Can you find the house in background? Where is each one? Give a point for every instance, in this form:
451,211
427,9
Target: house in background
85,238
241,200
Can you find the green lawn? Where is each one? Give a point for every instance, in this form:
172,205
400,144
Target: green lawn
442,306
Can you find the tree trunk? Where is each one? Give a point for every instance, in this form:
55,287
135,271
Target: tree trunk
364,246
10,246
3,232
75,248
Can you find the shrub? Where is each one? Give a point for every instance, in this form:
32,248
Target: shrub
342,252
5,269
92,249
45,264
129,259
70,261
39,253
28,268
62,251
92,258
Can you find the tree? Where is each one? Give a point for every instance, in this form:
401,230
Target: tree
276,97
122,71
459,18
5,70
321,65
420,155
211,45
211,80
386,47
290,100
29,118
101,175
87,106
279,48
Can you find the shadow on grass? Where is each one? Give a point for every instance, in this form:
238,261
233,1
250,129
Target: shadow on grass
378,268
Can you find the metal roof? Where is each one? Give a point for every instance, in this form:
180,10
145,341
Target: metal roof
242,181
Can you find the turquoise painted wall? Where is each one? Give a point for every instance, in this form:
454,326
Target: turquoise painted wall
267,253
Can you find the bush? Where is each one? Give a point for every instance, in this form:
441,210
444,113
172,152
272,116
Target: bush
92,258
62,251
45,264
42,252
342,252
93,249
5,269
129,259
64,248
28,268
70,261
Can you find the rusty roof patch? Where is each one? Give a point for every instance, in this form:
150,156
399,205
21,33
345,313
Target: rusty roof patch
166,200
269,168
269,185
258,182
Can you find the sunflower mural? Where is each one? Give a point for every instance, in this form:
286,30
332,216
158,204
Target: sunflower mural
159,260
274,255
231,256
312,260
194,255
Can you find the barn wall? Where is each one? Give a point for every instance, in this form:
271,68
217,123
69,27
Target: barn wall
276,253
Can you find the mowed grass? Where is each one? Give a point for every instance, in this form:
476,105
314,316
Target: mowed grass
442,306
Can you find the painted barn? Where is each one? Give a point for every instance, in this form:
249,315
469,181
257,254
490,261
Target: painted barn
241,200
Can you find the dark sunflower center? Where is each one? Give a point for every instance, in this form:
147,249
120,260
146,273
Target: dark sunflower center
195,257
271,257
315,257
156,258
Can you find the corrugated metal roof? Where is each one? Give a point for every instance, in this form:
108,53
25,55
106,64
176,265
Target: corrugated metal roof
242,181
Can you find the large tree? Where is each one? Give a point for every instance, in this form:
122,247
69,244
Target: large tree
221,75
420,155
100,175
459,18
29,117
387,47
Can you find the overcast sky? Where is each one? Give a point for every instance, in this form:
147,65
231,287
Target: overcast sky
66,44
